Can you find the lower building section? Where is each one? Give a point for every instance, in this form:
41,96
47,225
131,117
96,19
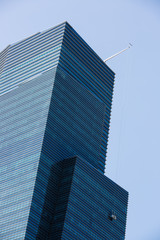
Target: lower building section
85,204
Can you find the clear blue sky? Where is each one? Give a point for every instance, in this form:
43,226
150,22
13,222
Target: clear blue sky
133,159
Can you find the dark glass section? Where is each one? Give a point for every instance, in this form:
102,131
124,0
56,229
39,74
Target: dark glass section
84,65
52,193
62,198
97,207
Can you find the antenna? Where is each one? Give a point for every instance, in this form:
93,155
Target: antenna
130,45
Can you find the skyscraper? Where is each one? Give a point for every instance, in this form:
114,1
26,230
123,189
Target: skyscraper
55,102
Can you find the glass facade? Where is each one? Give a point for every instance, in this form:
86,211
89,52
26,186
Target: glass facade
55,103
86,203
